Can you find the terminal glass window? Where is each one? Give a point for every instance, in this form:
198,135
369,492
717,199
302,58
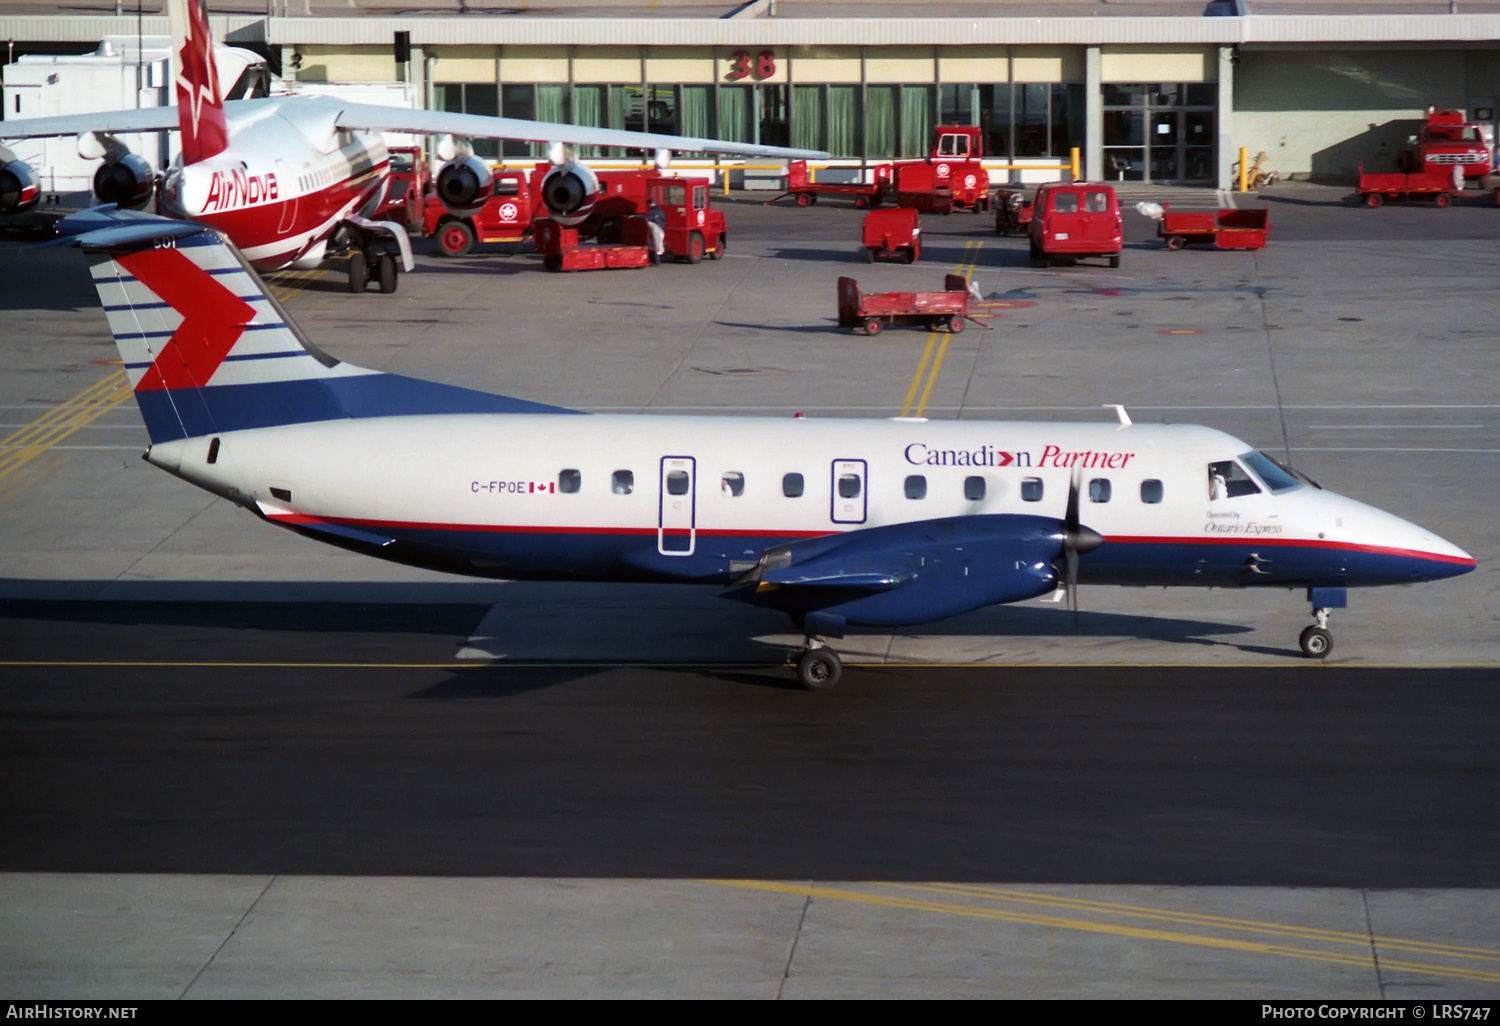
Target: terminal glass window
470,98
775,116
518,101
1159,132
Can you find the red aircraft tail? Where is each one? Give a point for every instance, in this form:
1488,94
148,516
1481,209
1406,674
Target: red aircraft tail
200,104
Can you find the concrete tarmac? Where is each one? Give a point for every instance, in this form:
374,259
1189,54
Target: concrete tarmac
1359,343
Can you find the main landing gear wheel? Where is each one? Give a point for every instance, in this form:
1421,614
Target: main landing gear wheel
1316,643
359,271
819,668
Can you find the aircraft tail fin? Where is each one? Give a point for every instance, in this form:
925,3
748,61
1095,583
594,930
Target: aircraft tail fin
200,102
208,349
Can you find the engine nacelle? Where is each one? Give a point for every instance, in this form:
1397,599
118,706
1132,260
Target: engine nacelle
127,181
464,184
18,189
568,192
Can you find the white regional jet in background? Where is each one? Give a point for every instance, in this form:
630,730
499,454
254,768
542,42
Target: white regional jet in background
836,522
292,180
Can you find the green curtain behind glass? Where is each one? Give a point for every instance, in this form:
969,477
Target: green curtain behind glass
693,107
843,121
916,121
735,121
807,117
588,109
880,121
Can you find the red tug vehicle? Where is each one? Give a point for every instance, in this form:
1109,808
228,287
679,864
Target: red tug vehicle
952,177
1445,141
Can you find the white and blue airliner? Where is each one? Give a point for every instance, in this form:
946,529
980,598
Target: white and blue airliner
837,523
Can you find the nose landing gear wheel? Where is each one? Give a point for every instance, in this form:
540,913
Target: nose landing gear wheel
819,668
1316,643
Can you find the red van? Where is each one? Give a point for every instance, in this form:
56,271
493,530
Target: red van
1075,219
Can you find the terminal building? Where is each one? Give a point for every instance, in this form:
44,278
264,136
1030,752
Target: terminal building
1145,91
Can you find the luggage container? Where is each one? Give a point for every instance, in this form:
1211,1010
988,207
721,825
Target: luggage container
874,310
1226,229
892,234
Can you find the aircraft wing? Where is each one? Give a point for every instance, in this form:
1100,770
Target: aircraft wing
909,573
146,119
369,117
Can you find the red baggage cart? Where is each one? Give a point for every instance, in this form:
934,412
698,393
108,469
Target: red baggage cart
1440,186
1225,229
873,310
800,185
892,234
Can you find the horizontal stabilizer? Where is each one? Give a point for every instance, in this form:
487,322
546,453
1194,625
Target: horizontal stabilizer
108,227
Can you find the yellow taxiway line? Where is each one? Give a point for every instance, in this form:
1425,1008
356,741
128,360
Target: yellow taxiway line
938,341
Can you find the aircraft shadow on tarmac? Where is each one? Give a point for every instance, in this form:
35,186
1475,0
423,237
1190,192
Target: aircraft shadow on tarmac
520,621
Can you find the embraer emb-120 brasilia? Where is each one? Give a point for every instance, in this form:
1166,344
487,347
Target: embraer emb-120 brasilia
294,179
836,522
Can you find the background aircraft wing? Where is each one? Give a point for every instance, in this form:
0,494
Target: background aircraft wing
145,120
436,122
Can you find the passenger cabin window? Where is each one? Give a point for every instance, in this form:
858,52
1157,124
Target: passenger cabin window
848,486
1228,480
733,483
1066,203
1031,489
1151,491
1099,489
622,482
974,488
916,487
677,482
569,481
791,486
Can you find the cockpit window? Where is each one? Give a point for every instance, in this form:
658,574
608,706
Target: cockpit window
1228,480
1276,477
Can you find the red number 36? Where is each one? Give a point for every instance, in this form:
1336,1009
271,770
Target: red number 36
759,66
